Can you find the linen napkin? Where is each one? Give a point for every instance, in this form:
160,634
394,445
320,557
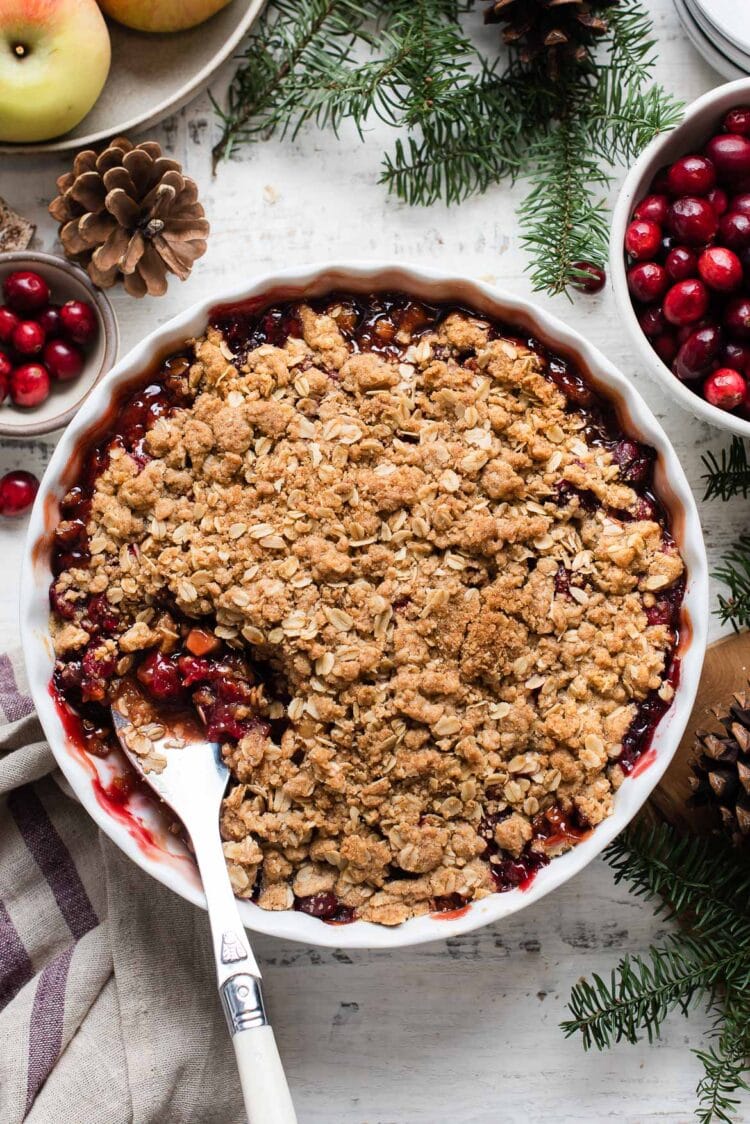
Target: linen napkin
108,1006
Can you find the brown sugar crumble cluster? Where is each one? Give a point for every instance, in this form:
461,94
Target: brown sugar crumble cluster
411,575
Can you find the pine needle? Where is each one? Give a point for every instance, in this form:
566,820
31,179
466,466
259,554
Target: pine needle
729,474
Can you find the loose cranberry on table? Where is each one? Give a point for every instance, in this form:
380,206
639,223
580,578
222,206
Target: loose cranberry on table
25,291
17,492
725,388
63,360
78,321
29,385
591,278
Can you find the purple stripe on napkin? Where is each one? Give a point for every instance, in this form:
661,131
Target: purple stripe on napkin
14,705
54,860
15,965
46,1024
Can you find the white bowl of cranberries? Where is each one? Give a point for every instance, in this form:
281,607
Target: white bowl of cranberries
680,257
58,336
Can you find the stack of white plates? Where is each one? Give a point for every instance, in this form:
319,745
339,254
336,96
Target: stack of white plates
720,30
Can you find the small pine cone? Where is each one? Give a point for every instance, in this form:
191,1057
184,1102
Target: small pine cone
558,30
721,771
128,213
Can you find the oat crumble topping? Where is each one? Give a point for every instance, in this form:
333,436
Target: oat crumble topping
448,584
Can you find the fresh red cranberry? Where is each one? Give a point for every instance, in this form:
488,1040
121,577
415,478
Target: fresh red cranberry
737,317
28,338
738,121
686,301
692,220
719,200
17,492
78,321
643,239
159,675
29,385
648,280
6,370
652,321
691,175
720,268
734,230
654,208
8,324
590,278
25,291
737,355
725,388
697,353
63,360
730,154
666,347
49,320
681,263
741,203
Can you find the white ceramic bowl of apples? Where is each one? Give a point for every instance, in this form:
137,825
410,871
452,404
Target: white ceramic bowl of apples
74,72
686,303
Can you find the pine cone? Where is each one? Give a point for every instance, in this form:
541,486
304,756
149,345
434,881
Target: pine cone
721,771
129,213
561,30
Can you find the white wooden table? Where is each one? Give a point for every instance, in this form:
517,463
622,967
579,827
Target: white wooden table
464,1031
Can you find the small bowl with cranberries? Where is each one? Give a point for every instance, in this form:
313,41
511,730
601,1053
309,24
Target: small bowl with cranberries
680,257
58,336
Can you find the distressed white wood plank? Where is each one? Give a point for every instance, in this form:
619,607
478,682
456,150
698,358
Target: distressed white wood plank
465,1031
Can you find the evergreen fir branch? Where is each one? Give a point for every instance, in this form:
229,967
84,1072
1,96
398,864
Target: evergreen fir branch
624,118
632,46
724,1076
563,220
734,572
729,474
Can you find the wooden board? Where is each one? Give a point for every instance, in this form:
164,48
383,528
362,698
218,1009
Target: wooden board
726,670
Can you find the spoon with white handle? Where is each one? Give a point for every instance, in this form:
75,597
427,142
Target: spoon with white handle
191,779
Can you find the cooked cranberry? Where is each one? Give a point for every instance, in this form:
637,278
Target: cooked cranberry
692,220
719,200
681,263
725,388
323,905
647,281
589,278
101,614
643,239
195,670
691,175
652,321
654,208
25,291
60,604
734,230
49,321
666,347
730,154
159,675
697,353
737,355
29,385
720,268
78,321
737,317
17,492
738,121
686,301
70,559
8,323
562,581
98,667
660,613
635,461
28,337
63,360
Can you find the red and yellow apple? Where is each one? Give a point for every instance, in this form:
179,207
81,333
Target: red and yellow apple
161,15
54,60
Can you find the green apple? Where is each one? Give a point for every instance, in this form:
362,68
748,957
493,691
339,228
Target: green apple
54,60
161,15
